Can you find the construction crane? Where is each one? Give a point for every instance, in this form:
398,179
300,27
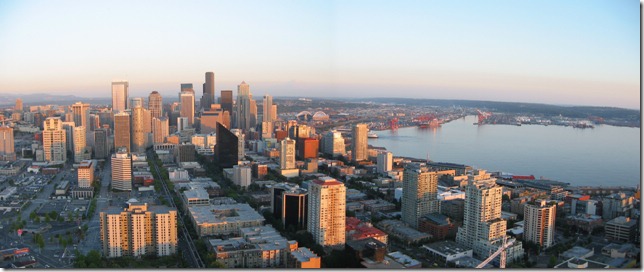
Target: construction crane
482,116
393,123
506,244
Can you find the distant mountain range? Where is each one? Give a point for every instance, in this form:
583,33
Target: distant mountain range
27,99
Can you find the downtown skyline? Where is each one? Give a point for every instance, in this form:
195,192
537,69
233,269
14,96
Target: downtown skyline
573,53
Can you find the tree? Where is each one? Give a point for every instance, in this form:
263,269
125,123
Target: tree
552,262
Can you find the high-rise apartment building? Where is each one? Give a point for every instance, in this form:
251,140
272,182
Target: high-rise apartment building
243,114
7,151
327,212
539,223
208,97
483,229
119,96
139,230
160,129
86,173
155,104
122,170
101,143
287,154
268,109
122,131
80,144
80,113
360,144
334,144
420,193
227,101
140,129
187,99
384,162
54,140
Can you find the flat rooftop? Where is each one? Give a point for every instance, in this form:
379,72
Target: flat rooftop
219,214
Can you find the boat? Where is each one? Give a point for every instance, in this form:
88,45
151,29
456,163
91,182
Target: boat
431,124
372,135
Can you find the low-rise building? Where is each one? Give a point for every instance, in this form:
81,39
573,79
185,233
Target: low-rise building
437,225
448,251
358,230
403,232
223,219
303,258
621,229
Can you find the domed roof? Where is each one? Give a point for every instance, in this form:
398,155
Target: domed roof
320,114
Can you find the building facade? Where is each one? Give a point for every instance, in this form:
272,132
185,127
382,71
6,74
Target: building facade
119,96
359,143
539,223
54,140
420,193
122,170
327,212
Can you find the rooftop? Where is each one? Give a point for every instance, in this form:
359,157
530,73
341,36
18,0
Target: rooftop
447,247
303,254
217,214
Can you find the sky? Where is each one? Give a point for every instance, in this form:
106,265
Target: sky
573,52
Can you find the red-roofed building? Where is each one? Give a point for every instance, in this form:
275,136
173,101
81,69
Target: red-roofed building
358,230
530,177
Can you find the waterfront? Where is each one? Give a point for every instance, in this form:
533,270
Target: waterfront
603,156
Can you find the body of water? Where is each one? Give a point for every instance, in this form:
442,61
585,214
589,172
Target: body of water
603,156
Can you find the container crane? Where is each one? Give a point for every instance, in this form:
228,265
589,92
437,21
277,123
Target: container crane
506,244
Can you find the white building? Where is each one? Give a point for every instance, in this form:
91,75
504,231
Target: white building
242,175
384,162
54,140
334,144
327,212
287,154
122,171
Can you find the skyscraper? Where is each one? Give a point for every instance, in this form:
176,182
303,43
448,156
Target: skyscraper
122,131
80,112
80,144
242,119
334,144
360,143
227,147
483,229
160,129
227,101
287,154
155,104
208,97
119,96
140,129
384,162
210,117
7,152
420,193
187,99
539,225
268,109
253,113
289,203
54,140
139,230
136,102
327,212
122,170
101,147
240,142
18,106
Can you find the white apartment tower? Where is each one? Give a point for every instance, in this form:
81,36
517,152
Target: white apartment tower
327,212
539,223
54,140
360,143
287,154
122,170
384,162
420,193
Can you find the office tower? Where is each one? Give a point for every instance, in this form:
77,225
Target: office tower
227,101
155,104
208,97
86,173
539,225
334,144
139,230
240,143
140,129
289,203
122,131
160,129
68,127
483,229
267,130
18,106
7,152
359,151
54,140
307,148
80,113
101,144
119,96
122,170
268,109
136,102
210,117
253,112
182,123
226,149
80,144
242,118
94,122
274,112
187,98
327,212
287,154
384,162
420,193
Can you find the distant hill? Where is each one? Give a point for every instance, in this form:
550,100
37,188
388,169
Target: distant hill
27,99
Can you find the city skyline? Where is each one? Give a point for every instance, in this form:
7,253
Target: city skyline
550,52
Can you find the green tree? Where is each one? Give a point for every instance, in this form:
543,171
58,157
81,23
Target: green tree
552,262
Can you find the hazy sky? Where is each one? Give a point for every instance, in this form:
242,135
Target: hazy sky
549,51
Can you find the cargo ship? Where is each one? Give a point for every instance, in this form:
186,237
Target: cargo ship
431,124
